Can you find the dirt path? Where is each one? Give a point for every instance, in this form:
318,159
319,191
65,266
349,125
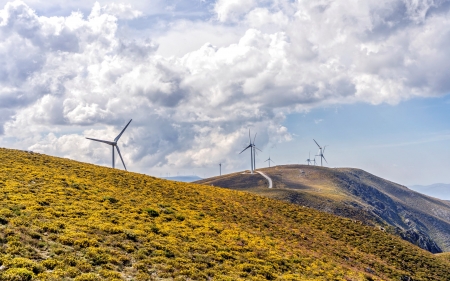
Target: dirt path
267,178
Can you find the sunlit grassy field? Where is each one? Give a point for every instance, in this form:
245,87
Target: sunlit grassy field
65,220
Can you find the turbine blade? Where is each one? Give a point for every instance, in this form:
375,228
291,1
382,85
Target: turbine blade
317,143
254,138
324,159
324,149
118,137
266,160
249,137
107,142
258,149
245,149
118,150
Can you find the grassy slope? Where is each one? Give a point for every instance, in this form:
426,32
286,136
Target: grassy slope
313,189
65,220
351,193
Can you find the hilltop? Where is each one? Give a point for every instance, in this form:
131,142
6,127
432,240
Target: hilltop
65,220
356,194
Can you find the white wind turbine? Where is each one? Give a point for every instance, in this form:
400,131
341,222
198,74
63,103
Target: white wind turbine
114,144
254,152
269,160
309,159
251,151
321,152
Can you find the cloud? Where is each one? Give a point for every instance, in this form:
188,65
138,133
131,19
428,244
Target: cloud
121,11
73,76
232,10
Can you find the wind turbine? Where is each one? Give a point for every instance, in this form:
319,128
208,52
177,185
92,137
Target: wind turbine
270,160
314,160
114,144
251,151
220,169
321,152
254,152
309,160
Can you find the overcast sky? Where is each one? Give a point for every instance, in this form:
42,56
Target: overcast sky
368,78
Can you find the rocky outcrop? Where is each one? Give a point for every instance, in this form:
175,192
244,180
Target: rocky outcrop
420,239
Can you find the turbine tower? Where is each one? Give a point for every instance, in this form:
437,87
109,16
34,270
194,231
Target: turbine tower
254,152
309,159
114,144
270,160
220,169
251,151
321,152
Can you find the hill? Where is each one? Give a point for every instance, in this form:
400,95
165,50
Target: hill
184,178
356,194
438,190
65,220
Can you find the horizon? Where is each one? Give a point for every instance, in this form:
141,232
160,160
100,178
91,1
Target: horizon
367,79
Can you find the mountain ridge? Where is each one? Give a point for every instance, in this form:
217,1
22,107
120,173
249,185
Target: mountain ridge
354,193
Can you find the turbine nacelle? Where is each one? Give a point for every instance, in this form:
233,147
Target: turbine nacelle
321,152
114,145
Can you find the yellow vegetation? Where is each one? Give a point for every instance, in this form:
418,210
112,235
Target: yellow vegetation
65,220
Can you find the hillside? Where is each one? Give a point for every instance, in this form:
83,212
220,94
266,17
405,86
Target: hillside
356,194
65,220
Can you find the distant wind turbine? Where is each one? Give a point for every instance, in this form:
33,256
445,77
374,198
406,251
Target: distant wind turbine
114,144
220,169
321,152
254,152
269,160
251,151
309,159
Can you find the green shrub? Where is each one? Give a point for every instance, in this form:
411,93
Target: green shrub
152,213
3,220
108,274
24,263
110,199
50,263
180,217
17,274
87,277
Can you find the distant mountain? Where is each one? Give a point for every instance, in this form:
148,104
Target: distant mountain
438,190
356,194
184,178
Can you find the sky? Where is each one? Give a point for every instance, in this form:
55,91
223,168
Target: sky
369,79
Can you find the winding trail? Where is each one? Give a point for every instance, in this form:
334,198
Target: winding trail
267,178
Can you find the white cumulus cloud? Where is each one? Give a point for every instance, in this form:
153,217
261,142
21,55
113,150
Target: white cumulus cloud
68,77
